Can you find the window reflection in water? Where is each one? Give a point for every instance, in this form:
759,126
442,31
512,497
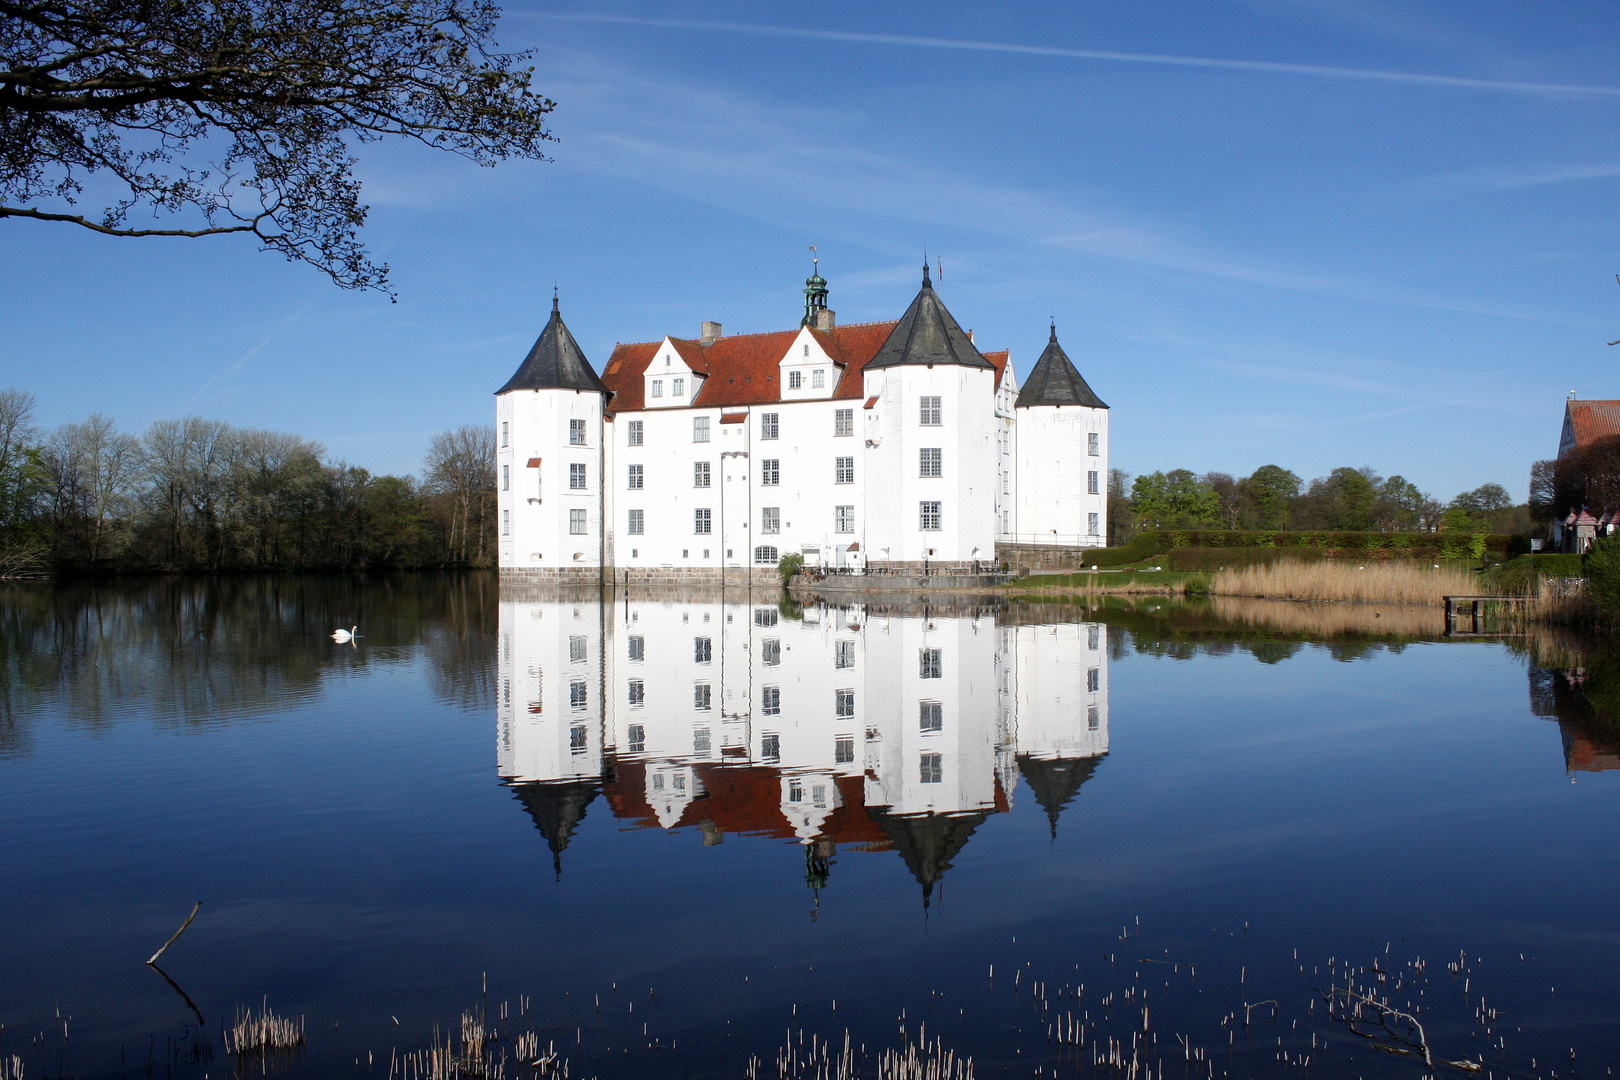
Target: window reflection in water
886,729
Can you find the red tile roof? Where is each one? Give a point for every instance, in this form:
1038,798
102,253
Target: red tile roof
741,369
1590,420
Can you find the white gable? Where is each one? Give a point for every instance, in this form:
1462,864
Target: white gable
670,382
807,365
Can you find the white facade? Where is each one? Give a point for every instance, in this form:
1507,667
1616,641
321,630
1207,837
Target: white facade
1061,473
843,726
710,459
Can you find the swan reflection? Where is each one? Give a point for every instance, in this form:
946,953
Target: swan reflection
883,729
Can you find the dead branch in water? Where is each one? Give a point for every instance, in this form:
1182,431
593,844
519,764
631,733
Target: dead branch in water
177,933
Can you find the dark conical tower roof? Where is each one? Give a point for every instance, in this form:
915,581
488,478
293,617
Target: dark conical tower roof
927,842
557,810
1055,781
1054,381
555,363
927,334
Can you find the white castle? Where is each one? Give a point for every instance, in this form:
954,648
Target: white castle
875,445
896,728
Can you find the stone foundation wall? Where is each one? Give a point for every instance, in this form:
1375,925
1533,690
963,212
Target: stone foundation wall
1036,558
550,575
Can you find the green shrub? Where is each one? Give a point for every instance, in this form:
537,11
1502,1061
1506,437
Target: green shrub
1602,566
791,564
1144,545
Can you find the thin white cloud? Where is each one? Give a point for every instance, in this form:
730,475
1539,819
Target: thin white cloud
1270,67
1546,175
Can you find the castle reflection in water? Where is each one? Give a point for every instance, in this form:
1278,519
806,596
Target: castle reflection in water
883,728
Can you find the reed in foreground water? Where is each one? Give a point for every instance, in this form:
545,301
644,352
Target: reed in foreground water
1386,582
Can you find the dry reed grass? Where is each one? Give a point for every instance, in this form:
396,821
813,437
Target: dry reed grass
821,1060
1329,620
1562,601
11,1068
1383,582
263,1034
478,1058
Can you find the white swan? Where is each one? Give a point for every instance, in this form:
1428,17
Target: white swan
341,636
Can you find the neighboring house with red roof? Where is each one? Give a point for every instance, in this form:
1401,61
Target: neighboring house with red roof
1585,422
887,444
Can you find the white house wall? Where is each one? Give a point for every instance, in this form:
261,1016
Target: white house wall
1053,504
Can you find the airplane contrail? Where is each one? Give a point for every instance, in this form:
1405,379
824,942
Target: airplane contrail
1266,66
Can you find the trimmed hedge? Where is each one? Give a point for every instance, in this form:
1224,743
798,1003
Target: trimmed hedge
1312,544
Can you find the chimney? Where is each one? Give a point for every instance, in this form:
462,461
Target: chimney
825,317
711,333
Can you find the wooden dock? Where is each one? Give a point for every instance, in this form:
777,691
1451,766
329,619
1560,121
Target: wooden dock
1476,611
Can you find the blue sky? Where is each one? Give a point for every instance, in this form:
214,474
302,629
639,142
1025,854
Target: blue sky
1310,232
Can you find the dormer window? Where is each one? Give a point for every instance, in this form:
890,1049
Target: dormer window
818,378
795,380
679,390
658,388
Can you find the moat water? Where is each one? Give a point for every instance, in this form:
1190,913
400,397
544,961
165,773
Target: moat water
669,832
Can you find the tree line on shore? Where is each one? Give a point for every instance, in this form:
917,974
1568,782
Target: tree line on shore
1275,498
196,494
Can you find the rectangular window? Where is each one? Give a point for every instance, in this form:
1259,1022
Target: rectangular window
929,411
930,664
931,771
765,555
637,732
844,702
844,470
844,749
700,429
576,523
1092,524
634,433
658,388
700,474
506,478
844,519
678,389
1093,679
770,652
637,647
1091,482
506,522
576,648
843,654
930,716
843,423
770,701
576,476
818,379
636,477
503,432
929,462
702,649
928,516
770,519
637,523
700,740
1093,636
576,694
765,616
700,522
770,747
577,739
795,380
769,426
770,472
1093,716
576,433
1006,479
1091,443
700,697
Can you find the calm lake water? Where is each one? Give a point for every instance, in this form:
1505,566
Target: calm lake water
670,832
